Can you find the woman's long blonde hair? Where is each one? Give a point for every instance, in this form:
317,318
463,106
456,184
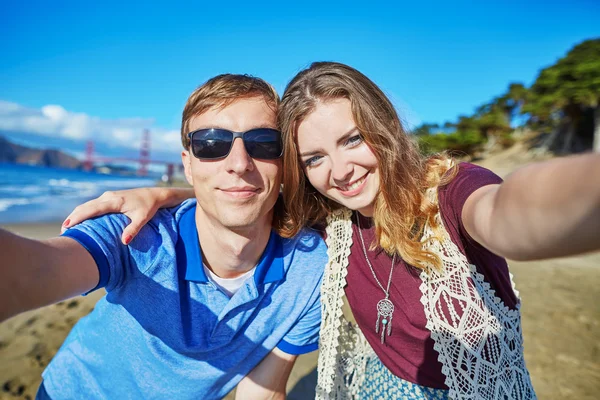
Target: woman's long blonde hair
401,208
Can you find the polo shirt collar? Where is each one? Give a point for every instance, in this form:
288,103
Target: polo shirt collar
189,255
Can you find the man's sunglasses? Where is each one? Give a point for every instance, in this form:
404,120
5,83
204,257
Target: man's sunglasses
215,143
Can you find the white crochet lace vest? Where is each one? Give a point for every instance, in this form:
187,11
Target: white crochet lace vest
478,338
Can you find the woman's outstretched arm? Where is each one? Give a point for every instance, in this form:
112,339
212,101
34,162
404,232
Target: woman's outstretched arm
543,210
139,205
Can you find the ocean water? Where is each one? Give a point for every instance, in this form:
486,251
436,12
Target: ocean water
39,194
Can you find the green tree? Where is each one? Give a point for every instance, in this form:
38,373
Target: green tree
565,96
564,101
425,129
432,138
512,101
491,120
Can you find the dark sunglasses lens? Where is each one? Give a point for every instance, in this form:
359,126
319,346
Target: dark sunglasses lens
211,143
263,143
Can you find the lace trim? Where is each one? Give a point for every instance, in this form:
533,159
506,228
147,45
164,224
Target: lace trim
478,338
343,349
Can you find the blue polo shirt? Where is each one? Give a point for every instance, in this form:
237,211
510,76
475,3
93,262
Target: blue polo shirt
164,331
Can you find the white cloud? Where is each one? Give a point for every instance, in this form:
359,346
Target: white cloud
76,126
54,120
7,107
172,138
54,112
123,134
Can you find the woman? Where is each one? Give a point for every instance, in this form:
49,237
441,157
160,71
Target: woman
413,243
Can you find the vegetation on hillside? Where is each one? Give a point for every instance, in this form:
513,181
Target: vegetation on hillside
562,106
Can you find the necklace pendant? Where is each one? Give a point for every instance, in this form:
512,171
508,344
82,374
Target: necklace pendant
385,307
385,311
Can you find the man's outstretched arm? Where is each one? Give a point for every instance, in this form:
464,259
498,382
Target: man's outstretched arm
268,379
36,273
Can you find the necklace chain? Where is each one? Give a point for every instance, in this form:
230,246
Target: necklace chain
385,307
362,242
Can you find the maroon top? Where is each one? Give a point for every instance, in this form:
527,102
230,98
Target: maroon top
409,352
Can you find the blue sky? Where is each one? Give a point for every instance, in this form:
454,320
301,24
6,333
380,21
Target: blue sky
106,70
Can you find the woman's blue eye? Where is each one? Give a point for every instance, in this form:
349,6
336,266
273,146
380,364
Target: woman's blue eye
312,161
354,140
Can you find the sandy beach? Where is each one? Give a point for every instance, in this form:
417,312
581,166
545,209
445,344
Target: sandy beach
561,324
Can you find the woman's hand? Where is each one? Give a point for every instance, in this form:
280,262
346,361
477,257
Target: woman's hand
139,205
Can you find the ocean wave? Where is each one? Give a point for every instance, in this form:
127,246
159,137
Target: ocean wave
93,188
26,190
67,188
100,183
5,204
37,193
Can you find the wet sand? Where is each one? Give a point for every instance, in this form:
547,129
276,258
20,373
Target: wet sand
561,325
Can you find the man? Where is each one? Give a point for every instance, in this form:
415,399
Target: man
207,296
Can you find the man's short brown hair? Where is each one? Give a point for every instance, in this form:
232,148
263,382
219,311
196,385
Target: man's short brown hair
221,91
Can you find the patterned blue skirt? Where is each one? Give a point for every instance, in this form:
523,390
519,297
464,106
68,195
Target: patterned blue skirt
380,383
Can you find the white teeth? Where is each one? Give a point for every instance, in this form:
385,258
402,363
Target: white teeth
354,185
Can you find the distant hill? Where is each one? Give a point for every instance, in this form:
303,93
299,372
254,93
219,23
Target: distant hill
14,153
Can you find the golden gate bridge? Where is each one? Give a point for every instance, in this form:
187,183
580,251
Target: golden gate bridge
143,160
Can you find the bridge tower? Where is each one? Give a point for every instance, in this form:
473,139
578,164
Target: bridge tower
88,162
144,153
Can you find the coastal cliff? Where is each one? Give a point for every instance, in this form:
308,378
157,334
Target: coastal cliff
17,154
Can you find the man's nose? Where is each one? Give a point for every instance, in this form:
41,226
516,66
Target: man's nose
238,160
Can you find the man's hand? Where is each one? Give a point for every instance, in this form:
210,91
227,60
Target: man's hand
268,379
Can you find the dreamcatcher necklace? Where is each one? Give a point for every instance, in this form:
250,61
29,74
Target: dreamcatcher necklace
385,307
